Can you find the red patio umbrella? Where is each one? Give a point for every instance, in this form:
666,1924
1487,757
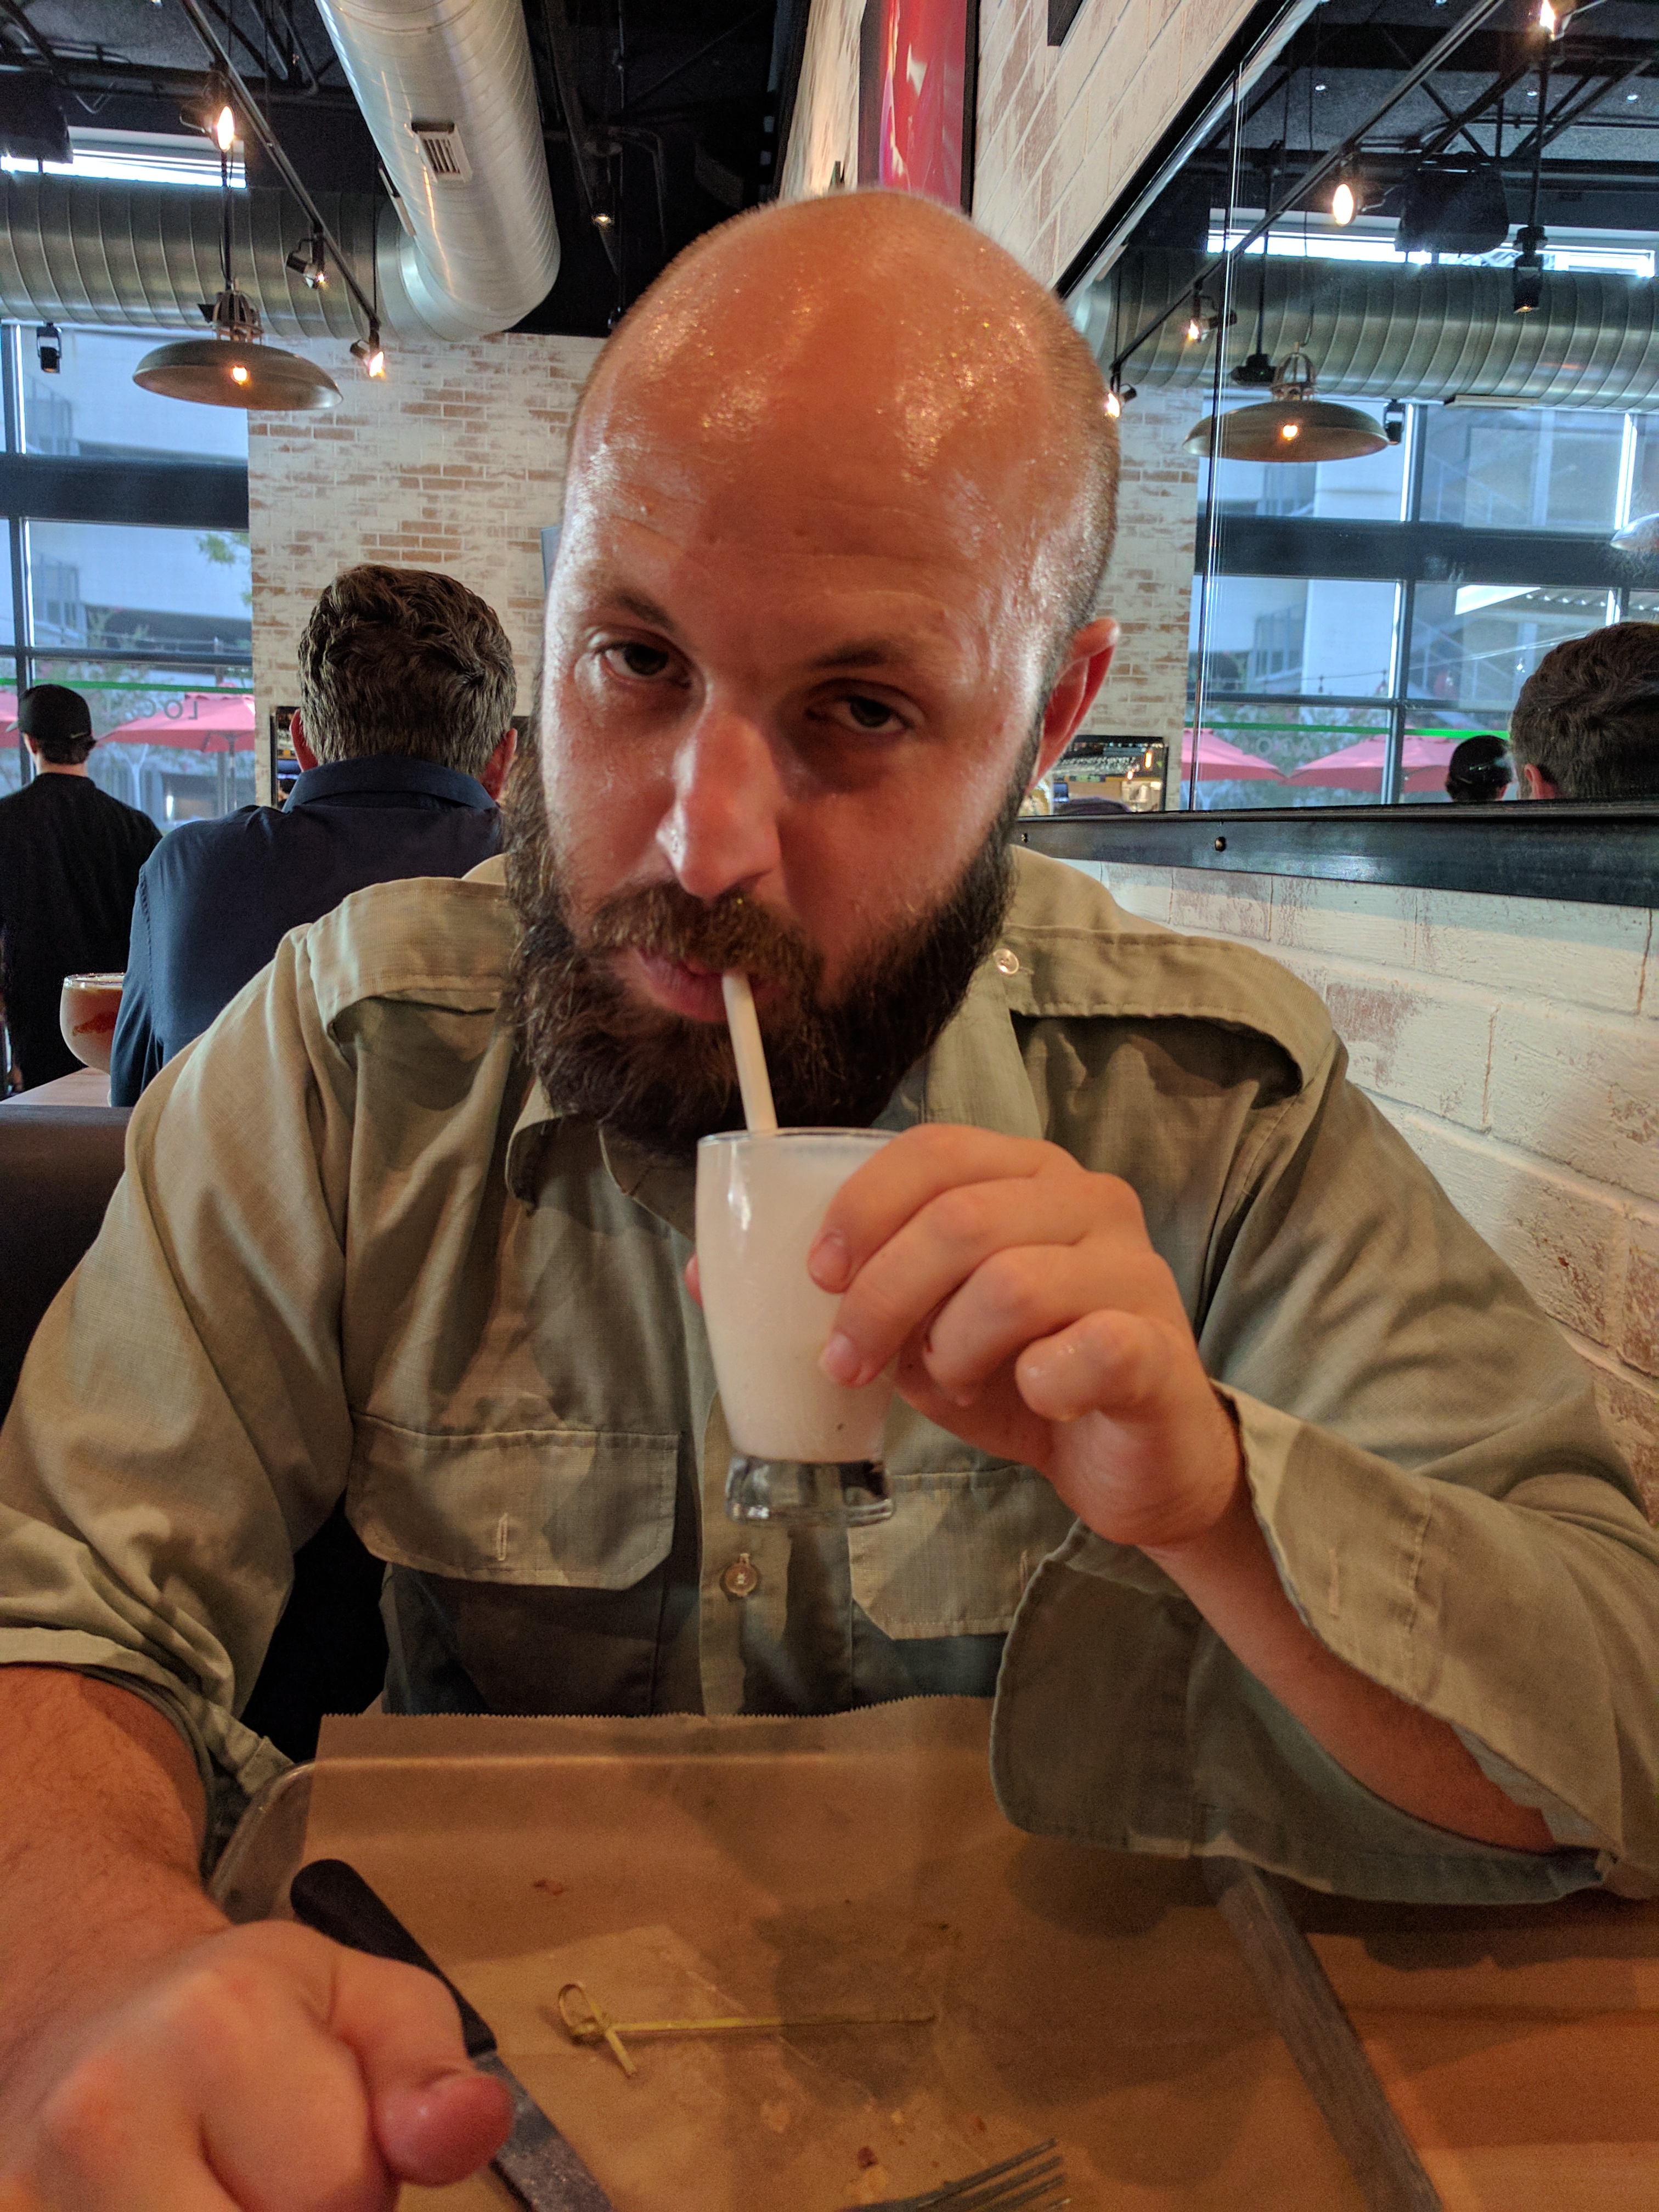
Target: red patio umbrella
1219,760
195,722
1359,767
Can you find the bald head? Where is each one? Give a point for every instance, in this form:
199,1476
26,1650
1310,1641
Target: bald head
871,346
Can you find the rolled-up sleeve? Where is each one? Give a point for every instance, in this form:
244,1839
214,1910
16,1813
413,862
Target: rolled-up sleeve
181,1423
1445,1510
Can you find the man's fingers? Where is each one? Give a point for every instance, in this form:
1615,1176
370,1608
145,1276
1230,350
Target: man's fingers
902,1178
1020,1296
1112,1363
435,2118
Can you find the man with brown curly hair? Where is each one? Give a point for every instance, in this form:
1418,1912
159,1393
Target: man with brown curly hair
1586,724
404,735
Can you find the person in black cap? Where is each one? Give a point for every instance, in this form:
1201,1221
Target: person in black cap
69,857
1478,774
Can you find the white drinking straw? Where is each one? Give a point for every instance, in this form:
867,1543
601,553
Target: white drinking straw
758,1110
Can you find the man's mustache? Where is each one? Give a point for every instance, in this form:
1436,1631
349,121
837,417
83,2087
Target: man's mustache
732,931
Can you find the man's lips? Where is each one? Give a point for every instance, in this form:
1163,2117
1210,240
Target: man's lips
685,987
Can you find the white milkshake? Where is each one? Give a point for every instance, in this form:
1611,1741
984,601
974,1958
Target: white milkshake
808,1449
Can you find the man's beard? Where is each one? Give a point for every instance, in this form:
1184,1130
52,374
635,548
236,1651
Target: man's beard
664,1080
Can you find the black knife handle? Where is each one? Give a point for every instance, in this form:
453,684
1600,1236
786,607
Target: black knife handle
333,1897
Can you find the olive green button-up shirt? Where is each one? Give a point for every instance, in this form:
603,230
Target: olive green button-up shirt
357,1251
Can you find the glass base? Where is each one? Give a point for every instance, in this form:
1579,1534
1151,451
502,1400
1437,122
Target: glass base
851,1493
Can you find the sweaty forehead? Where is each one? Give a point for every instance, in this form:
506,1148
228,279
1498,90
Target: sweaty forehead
772,371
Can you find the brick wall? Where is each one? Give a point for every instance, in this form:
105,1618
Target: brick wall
1061,129
1149,584
1514,1045
455,462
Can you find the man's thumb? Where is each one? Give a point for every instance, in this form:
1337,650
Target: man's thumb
436,2118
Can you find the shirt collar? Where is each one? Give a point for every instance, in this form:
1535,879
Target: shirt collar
388,772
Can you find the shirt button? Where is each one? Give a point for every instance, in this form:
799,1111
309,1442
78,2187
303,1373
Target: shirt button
742,1578
1007,961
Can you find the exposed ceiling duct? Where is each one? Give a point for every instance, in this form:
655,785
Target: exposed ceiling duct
143,257
448,93
1424,331
480,248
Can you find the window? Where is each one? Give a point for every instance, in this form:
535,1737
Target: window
149,620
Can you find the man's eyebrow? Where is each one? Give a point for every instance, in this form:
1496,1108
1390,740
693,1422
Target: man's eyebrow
637,603
863,651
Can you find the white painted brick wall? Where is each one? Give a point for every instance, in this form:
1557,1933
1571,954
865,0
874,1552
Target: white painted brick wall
1061,129
1513,1044
455,462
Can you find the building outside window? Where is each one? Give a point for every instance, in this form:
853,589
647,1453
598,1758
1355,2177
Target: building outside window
102,589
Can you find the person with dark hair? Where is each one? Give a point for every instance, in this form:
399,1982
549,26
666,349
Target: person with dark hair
405,736
69,860
1478,773
1586,724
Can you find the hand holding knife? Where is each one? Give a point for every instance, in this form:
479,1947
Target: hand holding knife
535,2161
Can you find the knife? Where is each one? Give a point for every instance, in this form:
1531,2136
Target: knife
538,2164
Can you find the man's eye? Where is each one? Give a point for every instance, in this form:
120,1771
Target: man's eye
872,714
633,659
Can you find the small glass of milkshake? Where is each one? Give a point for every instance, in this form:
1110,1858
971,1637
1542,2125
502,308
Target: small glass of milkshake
805,1449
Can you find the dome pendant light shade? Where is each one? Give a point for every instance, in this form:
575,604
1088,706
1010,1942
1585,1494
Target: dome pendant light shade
223,373
1291,426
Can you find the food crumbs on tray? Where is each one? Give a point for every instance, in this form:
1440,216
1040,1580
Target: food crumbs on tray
976,2124
897,2118
873,2186
867,2158
777,2118
552,1888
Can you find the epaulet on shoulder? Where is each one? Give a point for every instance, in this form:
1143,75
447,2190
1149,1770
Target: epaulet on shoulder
434,941
1081,956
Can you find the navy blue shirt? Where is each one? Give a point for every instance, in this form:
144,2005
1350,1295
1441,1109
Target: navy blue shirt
216,898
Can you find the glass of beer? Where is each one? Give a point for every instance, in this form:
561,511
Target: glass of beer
86,1017
804,1449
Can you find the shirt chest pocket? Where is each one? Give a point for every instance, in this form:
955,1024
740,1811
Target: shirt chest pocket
579,1509
965,1538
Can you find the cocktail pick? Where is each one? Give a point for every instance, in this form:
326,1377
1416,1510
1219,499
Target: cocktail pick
753,1081
588,2022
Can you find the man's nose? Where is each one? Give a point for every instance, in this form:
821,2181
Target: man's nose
721,834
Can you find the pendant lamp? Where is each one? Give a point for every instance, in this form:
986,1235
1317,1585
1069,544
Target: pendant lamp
1292,426
235,367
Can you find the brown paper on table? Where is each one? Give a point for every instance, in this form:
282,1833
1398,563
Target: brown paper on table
680,1866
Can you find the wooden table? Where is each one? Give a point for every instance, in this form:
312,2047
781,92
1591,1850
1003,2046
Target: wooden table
88,1086
683,1867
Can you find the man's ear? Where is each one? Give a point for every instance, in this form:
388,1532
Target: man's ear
296,731
492,774
1074,691
1539,783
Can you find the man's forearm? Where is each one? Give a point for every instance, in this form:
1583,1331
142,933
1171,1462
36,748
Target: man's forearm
100,1824
1402,1754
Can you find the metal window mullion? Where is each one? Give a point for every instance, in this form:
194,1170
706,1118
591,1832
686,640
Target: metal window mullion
11,391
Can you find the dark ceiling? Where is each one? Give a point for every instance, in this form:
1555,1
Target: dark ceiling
1600,152
678,108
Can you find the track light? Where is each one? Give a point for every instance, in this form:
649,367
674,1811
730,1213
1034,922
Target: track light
49,349
1343,206
309,260
1527,276
1195,319
1118,394
369,351
224,128
1393,422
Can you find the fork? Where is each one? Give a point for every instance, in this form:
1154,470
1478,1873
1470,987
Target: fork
1035,2181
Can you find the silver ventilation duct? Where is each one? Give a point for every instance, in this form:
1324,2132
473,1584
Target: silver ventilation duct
143,257
1419,331
480,251
448,93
